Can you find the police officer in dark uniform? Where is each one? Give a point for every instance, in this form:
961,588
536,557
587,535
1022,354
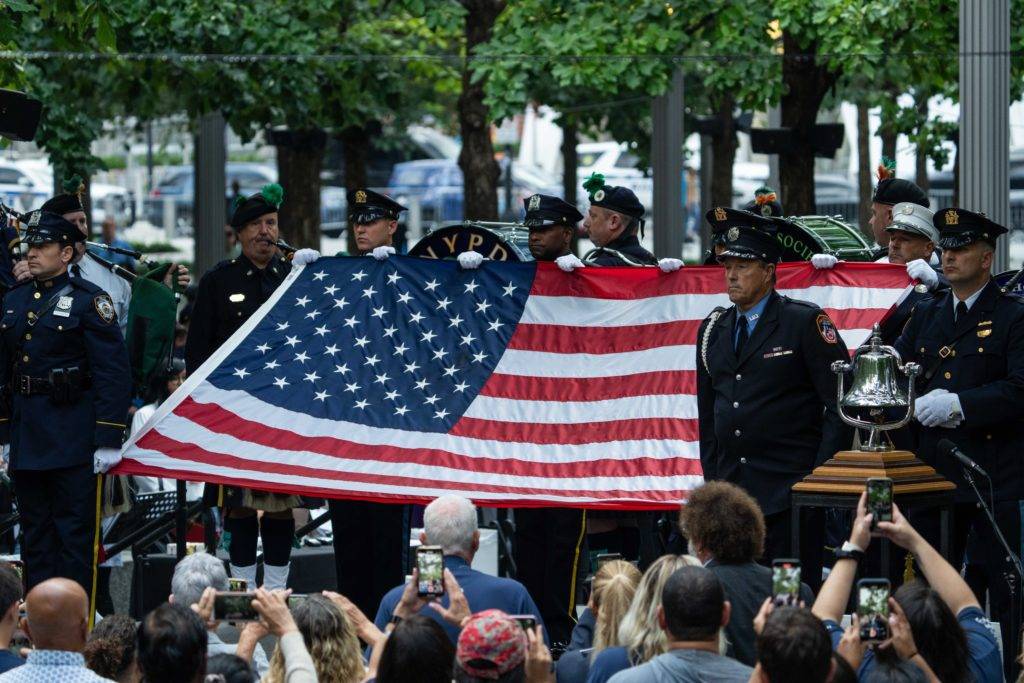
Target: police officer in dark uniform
66,390
613,220
765,392
549,540
371,540
227,295
970,345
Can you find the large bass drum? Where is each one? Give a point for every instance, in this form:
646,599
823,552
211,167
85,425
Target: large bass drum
803,236
496,241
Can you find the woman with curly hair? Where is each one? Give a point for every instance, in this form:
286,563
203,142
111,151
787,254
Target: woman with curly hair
110,649
331,641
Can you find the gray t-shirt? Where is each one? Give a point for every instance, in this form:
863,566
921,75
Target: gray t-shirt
686,666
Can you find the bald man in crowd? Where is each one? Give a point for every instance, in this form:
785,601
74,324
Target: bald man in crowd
57,623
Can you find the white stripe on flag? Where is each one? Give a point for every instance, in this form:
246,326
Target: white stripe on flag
680,406
581,365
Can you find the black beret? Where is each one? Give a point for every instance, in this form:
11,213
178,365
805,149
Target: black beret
765,202
543,210
960,227
62,204
892,191
44,227
267,200
366,206
744,234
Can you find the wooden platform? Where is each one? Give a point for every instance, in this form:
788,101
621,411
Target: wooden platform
847,472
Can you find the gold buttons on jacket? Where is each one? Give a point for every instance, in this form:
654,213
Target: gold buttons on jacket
948,375
37,295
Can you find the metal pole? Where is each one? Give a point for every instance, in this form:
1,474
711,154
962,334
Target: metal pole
985,113
210,192
706,157
181,519
667,163
774,121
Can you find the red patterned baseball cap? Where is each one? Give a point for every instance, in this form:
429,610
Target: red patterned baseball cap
491,644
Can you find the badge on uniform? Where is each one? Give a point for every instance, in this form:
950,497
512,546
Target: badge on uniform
534,202
105,308
733,234
984,333
827,329
63,307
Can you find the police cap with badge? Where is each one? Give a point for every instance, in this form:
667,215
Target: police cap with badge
959,228
892,190
248,209
544,211
44,227
614,198
367,206
914,219
747,235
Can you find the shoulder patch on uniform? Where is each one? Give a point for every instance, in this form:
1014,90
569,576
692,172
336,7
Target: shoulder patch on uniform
105,308
827,329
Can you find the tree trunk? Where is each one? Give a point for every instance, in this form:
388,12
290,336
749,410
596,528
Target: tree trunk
921,159
888,136
355,143
723,150
570,167
806,83
300,158
956,175
864,169
479,169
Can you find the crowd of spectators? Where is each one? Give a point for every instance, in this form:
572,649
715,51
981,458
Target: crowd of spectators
706,616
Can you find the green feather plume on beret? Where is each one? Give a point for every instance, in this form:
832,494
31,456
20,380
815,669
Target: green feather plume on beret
273,193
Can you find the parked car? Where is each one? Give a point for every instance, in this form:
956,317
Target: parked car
618,164
437,185
20,190
177,186
35,176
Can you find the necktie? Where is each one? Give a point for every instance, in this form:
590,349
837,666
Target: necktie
76,271
744,334
961,311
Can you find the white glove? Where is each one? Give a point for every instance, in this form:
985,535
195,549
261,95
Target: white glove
303,257
920,270
105,458
382,253
938,408
670,265
471,260
569,262
824,261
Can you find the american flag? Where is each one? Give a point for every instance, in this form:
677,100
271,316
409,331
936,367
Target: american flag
514,385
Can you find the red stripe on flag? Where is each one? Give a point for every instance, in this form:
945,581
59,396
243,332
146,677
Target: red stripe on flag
191,452
573,339
590,388
575,434
222,421
641,283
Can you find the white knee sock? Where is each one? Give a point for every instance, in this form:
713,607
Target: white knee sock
275,577
248,573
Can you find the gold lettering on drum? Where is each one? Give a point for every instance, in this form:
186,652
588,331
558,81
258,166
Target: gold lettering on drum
450,241
430,253
498,249
475,241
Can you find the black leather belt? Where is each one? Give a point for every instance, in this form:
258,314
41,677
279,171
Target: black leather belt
31,386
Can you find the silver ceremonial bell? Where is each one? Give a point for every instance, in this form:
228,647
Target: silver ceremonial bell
875,367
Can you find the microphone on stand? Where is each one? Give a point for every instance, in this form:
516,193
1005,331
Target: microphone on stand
949,449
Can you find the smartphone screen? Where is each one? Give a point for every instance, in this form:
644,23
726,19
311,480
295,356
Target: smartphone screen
873,609
234,606
607,557
786,583
430,563
879,499
526,621
236,585
294,600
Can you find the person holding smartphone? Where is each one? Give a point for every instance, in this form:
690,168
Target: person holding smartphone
947,632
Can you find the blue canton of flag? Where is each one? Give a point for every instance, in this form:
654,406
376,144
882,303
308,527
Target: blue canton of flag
403,343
